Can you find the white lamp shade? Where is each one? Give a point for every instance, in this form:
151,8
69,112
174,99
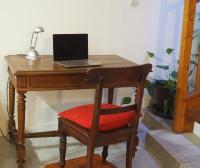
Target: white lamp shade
39,29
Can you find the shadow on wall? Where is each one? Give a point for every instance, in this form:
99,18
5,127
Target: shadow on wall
43,107
169,27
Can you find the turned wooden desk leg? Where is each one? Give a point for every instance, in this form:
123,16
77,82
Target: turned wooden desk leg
20,144
110,95
11,122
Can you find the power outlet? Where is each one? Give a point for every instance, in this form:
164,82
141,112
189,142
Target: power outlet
133,3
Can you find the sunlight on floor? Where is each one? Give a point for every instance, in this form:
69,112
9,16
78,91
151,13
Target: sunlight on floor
41,151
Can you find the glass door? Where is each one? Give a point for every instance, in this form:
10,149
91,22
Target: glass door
194,67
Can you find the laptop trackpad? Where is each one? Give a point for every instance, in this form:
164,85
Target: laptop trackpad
78,63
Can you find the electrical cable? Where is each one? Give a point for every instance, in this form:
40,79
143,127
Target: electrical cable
7,108
5,137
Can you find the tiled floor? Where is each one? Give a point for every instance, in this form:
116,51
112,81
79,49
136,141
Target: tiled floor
41,151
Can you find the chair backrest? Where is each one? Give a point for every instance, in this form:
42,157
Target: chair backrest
118,77
134,76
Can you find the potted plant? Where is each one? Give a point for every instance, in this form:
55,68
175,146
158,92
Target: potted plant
163,89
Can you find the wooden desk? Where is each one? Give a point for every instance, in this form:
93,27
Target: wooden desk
40,75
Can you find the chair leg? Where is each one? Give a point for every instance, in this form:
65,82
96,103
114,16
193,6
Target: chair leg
62,147
136,142
90,156
129,151
104,153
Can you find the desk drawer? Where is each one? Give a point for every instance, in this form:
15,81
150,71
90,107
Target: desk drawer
55,82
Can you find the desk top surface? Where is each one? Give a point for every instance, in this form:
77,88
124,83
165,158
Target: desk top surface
18,65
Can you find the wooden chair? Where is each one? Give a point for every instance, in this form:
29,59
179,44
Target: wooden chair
105,124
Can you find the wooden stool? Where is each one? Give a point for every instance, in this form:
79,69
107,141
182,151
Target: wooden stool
81,163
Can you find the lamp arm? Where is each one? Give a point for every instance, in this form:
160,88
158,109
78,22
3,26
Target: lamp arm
36,38
32,53
32,39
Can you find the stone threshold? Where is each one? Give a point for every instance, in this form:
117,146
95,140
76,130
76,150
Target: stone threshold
173,150
154,122
170,150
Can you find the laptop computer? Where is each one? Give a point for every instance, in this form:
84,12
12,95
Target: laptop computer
71,50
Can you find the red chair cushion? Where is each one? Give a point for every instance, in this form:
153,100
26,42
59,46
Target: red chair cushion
82,115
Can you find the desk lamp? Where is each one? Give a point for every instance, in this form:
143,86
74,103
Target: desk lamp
32,53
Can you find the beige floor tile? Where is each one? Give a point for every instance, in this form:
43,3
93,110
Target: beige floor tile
41,151
196,165
142,160
193,160
186,166
188,150
169,138
193,138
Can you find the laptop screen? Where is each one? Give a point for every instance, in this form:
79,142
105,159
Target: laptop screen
70,47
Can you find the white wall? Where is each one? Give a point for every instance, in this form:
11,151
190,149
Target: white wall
113,27
98,18
154,25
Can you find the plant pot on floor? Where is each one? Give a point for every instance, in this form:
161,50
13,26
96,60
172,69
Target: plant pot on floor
163,102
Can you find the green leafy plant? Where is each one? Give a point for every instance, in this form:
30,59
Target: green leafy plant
126,100
170,73
171,76
165,84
